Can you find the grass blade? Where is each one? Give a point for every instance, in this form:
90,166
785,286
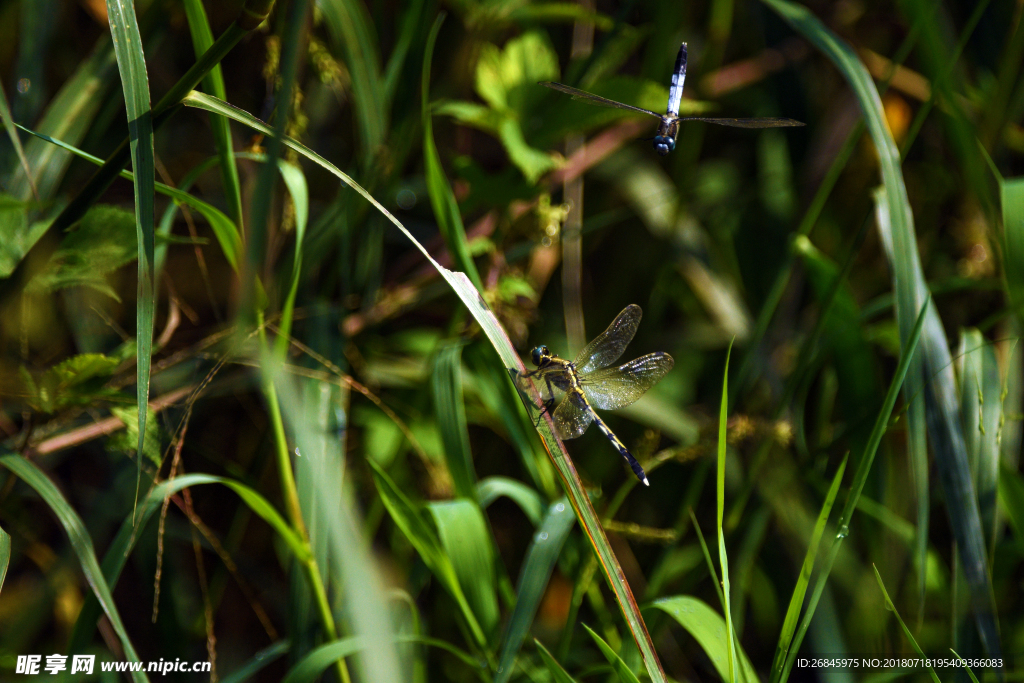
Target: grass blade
981,404
261,659
202,40
796,602
81,543
618,666
558,674
540,560
449,404
442,199
12,135
352,30
906,631
131,63
723,557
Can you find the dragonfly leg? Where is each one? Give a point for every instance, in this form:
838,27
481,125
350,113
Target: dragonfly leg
623,451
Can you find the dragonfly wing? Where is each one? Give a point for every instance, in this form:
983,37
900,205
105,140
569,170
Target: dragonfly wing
614,388
548,381
608,346
572,416
585,96
762,122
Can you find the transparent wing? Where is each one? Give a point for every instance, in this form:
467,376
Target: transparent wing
763,122
608,346
546,379
614,388
585,96
572,416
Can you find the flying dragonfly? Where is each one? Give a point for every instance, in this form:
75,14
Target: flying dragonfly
668,129
589,383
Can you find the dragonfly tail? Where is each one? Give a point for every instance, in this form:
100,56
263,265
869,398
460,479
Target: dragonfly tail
621,448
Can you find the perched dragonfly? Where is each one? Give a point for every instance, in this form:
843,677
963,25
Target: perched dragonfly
589,383
668,129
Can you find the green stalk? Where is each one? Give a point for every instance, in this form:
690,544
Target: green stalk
291,504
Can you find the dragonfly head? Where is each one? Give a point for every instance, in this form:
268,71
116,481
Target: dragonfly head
538,354
663,144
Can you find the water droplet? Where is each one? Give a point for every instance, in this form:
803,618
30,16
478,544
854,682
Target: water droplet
24,85
843,531
560,507
297,454
542,536
406,199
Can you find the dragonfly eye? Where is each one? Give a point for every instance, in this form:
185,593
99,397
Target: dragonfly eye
538,354
663,144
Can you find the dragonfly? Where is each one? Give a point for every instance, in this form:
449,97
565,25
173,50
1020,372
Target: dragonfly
668,129
589,383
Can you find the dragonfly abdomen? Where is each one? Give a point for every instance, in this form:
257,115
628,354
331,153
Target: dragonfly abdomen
621,448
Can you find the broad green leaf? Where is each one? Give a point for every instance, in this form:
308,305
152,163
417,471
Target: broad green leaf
128,439
5,556
76,381
709,630
540,561
490,489
466,539
506,78
17,235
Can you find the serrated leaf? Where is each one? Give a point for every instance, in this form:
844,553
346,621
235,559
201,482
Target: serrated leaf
104,241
